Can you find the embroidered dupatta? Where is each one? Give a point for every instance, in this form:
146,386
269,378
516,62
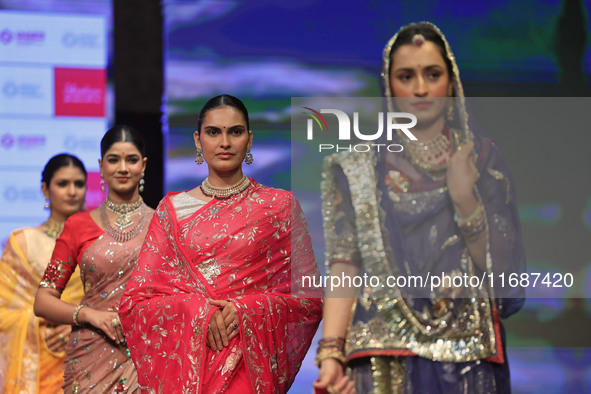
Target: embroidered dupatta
241,250
384,215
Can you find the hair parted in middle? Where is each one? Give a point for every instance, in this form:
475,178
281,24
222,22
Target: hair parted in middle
220,101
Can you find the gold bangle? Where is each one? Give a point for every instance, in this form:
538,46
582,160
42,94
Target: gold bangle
474,214
330,352
75,314
331,341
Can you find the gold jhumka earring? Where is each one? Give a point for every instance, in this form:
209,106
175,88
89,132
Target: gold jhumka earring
199,157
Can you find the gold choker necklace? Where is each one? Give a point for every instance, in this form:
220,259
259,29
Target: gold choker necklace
53,228
124,210
117,233
429,156
222,193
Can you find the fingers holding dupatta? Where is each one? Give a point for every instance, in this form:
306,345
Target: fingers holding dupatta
223,325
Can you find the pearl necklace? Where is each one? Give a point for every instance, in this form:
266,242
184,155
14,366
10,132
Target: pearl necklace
222,193
124,210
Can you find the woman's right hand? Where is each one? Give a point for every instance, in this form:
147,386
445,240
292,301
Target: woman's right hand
217,337
223,325
108,322
56,337
332,379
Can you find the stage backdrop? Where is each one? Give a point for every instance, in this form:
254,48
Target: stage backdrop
266,52
53,98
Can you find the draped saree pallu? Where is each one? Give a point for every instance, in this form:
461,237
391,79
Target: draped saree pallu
26,362
242,249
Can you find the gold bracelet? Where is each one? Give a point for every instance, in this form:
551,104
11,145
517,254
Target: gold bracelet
473,216
330,352
332,341
75,314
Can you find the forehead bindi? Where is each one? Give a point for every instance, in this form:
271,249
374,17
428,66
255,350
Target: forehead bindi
122,154
223,117
123,149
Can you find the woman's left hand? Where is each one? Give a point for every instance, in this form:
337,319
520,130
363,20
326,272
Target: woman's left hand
57,337
462,174
230,317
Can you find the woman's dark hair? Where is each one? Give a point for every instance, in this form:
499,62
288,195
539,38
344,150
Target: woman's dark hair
57,162
220,101
122,133
406,37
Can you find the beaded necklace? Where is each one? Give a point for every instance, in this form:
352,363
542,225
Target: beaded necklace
429,156
124,210
118,233
222,193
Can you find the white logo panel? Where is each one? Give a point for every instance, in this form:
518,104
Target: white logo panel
26,90
67,40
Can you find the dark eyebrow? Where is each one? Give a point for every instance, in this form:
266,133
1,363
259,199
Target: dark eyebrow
229,128
405,69
410,69
437,66
117,156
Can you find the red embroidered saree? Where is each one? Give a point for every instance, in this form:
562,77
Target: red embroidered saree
243,250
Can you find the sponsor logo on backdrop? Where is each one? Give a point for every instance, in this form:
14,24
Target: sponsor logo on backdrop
24,142
30,141
80,40
14,193
80,92
7,141
76,93
5,36
23,37
402,121
80,143
12,89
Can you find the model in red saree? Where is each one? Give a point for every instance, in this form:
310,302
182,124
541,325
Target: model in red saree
251,250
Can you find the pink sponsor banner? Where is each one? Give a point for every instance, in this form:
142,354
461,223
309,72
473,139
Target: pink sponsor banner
94,195
80,92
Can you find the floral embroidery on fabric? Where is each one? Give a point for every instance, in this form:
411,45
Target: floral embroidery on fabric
232,360
210,269
54,274
239,250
